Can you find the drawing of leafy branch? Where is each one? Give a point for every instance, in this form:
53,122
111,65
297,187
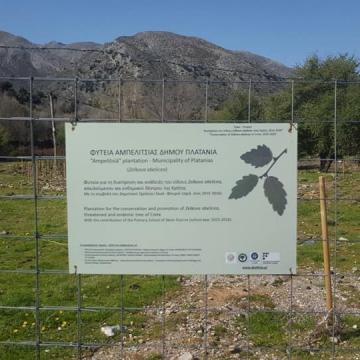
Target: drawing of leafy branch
273,187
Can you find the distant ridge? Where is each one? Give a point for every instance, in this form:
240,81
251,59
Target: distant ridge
153,54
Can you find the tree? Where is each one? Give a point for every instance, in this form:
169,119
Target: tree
237,108
4,139
314,107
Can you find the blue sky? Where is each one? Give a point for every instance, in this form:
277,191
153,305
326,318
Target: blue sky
284,30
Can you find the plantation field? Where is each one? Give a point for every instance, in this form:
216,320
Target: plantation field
59,298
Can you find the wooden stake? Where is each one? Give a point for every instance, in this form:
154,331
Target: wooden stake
325,242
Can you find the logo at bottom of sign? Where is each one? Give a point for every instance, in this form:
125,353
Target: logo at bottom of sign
263,257
230,257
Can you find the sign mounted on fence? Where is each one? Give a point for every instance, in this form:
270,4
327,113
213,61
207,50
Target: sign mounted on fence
166,198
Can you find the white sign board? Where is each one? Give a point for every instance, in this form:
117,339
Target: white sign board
165,198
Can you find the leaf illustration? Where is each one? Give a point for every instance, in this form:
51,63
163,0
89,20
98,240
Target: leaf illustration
258,157
274,191
244,186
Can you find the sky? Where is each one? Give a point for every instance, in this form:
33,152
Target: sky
287,31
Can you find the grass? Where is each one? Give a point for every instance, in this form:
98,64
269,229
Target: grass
267,329
154,357
269,332
18,249
264,328
220,330
346,212
261,301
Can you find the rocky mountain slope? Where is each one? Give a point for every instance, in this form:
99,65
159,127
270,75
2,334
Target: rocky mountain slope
38,61
144,55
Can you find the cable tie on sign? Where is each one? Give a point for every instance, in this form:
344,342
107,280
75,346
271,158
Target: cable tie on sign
292,126
292,107
74,121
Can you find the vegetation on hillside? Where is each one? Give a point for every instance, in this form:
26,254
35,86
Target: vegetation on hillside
313,105
311,101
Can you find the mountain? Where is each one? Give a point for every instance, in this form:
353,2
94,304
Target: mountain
141,57
146,55
38,60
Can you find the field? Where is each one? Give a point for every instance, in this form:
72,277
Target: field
267,328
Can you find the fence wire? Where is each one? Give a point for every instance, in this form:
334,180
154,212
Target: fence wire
160,100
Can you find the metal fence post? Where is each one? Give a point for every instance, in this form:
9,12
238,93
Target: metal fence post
334,313
36,220
292,103
289,350
163,318
163,100
206,99
122,310
206,314
76,99
248,309
249,102
206,308
119,98
78,317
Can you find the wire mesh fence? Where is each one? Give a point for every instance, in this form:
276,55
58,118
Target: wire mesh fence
47,313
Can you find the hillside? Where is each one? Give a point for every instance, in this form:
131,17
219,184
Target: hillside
36,62
144,55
